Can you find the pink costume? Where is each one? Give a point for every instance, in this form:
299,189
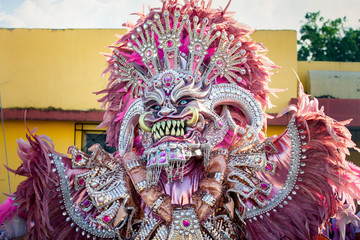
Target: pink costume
184,109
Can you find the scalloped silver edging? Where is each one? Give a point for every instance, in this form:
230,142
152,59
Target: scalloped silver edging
291,177
74,212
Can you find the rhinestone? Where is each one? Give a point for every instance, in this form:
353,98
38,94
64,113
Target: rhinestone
177,14
301,172
129,44
156,16
78,158
77,229
196,19
169,43
106,219
303,164
231,37
145,26
68,219
54,169
289,197
64,213
186,223
243,52
166,13
81,181
133,37
83,233
218,33
238,44
148,53
286,202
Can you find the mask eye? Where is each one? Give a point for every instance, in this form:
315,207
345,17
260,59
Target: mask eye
155,107
184,102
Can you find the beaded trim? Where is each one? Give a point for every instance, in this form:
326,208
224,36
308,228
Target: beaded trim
133,164
140,186
283,195
72,211
218,176
223,152
209,199
154,207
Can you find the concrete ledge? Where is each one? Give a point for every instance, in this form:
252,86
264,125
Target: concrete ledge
53,115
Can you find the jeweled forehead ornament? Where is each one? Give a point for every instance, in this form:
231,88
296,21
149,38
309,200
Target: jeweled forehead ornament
168,60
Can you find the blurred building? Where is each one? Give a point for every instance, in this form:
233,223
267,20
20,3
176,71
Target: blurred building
52,74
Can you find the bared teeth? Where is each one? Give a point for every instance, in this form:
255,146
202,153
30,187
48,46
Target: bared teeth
170,127
177,132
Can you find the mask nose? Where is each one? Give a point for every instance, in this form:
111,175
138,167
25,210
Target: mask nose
166,111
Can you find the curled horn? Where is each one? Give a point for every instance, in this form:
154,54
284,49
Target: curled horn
195,116
128,124
142,123
231,94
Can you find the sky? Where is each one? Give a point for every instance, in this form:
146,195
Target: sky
259,14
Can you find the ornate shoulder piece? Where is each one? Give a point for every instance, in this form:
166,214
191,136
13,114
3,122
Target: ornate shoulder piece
95,192
247,158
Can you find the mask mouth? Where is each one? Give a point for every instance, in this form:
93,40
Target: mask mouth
168,128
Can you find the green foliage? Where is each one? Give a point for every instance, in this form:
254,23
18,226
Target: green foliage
328,40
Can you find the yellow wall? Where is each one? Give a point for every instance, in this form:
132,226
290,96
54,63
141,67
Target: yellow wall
304,67
59,68
44,68
282,51
61,132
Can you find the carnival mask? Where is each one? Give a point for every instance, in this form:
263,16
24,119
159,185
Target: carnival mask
187,84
